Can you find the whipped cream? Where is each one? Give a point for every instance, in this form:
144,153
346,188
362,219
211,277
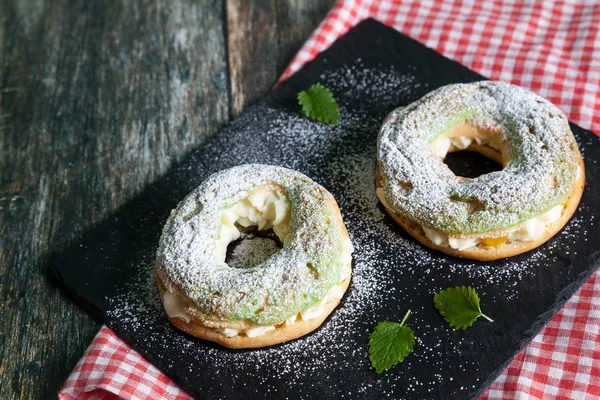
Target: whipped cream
258,331
175,307
267,207
444,144
529,230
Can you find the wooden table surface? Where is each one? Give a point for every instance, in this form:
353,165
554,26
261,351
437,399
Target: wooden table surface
97,100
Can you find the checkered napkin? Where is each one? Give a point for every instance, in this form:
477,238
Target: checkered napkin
552,48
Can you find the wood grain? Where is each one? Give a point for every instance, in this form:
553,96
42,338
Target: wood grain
263,38
98,99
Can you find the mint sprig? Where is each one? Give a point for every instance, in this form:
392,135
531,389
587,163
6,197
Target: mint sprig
390,343
459,306
318,104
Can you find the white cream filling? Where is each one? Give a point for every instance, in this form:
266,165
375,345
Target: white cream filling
265,208
174,307
291,320
258,331
462,244
486,140
529,230
443,145
314,312
534,228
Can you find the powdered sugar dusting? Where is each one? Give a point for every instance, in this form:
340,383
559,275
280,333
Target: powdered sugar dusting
278,288
391,272
252,251
534,134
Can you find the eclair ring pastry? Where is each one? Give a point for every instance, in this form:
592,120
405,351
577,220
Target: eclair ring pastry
288,295
495,215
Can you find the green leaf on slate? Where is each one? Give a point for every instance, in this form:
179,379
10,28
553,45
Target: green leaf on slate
390,343
459,306
318,104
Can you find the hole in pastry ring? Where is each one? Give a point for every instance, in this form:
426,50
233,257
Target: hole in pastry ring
212,296
543,170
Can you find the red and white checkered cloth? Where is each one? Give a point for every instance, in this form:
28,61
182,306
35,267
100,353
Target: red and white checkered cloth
549,47
552,48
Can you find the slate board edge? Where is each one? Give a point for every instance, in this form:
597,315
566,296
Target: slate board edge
368,24
563,296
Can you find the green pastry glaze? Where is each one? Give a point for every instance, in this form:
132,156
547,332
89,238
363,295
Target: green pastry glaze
295,278
536,140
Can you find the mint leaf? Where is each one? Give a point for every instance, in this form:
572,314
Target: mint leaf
459,306
318,104
390,343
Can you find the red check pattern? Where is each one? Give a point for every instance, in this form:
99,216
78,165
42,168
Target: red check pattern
110,370
549,47
552,48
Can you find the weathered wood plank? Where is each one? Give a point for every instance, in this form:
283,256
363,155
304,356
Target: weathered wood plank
263,37
97,99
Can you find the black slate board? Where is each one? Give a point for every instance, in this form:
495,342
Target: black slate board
371,70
